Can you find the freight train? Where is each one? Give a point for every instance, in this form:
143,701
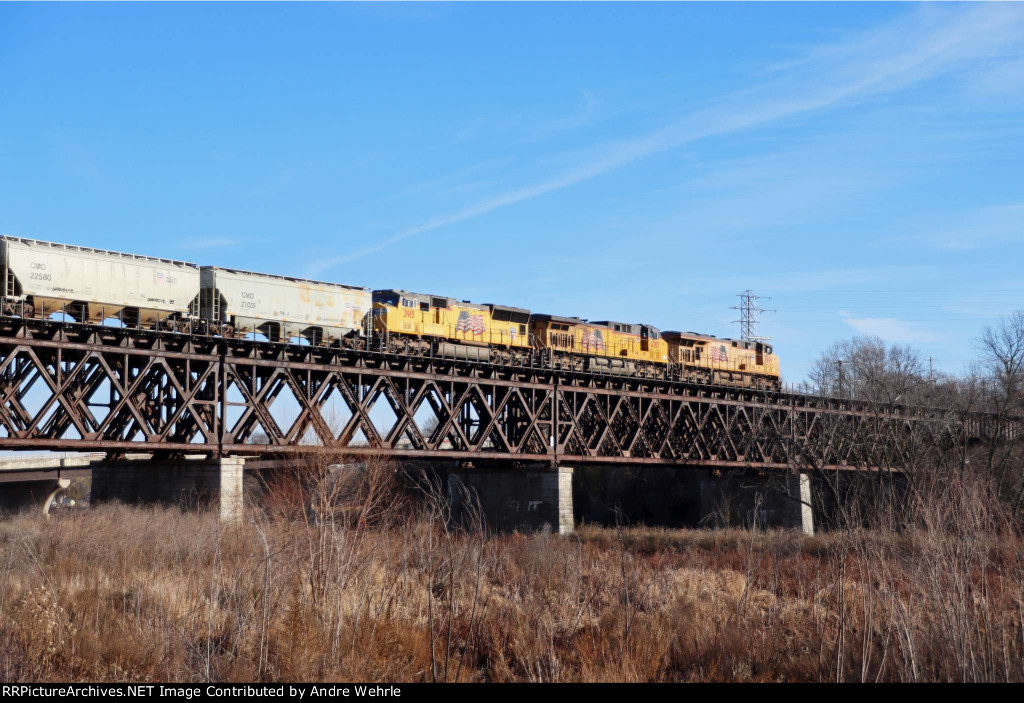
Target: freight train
45,280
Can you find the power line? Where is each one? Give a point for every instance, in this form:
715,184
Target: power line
748,316
1019,289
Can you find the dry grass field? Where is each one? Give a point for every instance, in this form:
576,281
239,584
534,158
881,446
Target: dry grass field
389,591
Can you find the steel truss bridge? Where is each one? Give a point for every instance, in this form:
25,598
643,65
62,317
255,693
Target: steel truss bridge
86,388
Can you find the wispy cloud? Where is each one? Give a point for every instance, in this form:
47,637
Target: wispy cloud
470,178
1003,78
586,114
892,330
924,44
966,230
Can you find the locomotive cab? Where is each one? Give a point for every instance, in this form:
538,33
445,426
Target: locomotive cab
554,332
708,359
420,316
637,341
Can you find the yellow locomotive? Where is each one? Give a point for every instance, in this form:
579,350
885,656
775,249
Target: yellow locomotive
461,330
707,359
430,324
605,346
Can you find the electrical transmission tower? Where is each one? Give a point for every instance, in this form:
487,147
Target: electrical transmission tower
748,316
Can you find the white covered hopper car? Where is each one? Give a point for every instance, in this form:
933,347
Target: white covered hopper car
41,279
236,303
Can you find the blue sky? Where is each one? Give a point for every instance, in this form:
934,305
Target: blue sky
860,163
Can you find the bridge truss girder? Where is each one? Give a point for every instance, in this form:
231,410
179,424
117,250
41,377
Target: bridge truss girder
70,387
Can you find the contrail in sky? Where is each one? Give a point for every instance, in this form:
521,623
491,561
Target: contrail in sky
922,45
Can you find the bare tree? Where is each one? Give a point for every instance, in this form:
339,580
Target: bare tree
1002,350
866,368
860,463
931,433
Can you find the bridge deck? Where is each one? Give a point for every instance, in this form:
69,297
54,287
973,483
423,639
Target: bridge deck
78,387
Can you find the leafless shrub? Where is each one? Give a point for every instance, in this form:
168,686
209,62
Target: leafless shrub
118,593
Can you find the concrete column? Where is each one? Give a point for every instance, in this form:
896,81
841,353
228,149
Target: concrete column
514,499
806,512
38,495
188,483
798,513
231,497
563,498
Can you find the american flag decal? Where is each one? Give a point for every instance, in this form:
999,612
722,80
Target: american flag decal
592,340
718,353
470,323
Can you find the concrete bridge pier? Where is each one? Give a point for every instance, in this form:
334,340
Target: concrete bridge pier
187,483
541,498
16,496
800,487
738,498
692,497
525,499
